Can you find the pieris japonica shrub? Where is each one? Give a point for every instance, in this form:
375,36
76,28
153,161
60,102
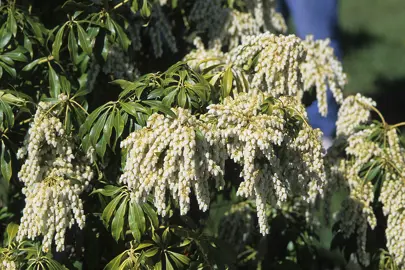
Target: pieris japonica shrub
143,134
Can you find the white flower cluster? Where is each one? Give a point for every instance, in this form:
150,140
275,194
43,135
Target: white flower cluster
168,154
119,64
323,70
266,16
237,27
277,62
201,58
253,140
372,152
392,197
357,212
54,175
287,65
230,26
6,264
160,32
355,110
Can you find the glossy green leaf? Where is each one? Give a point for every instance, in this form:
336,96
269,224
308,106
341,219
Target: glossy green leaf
151,214
151,252
159,106
117,225
98,127
11,23
133,108
110,208
90,120
134,6
37,28
33,64
84,40
101,146
136,220
169,265
57,43
182,98
5,36
17,54
5,159
115,263
108,190
119,125
12,230
145,10
54,83
109,124
72,47
226,84
11,71
177,257
122,36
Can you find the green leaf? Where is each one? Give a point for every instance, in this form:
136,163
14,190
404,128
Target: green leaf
17,54
110,26
151,252
5,36
177,257
11,71
72,46
182,98
122,83
5,159
134,6
133,108
7,60
122,37
153,218
57,43
97,128
119,125
90,120
169,265
169,98
106,48
108,190
108,127
32,64
145,10
12,230
159,106
166,236
54,84
12,24
117,225
84,40
136,220
226,84
36,28
158,265
101,146
110,208
114,263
